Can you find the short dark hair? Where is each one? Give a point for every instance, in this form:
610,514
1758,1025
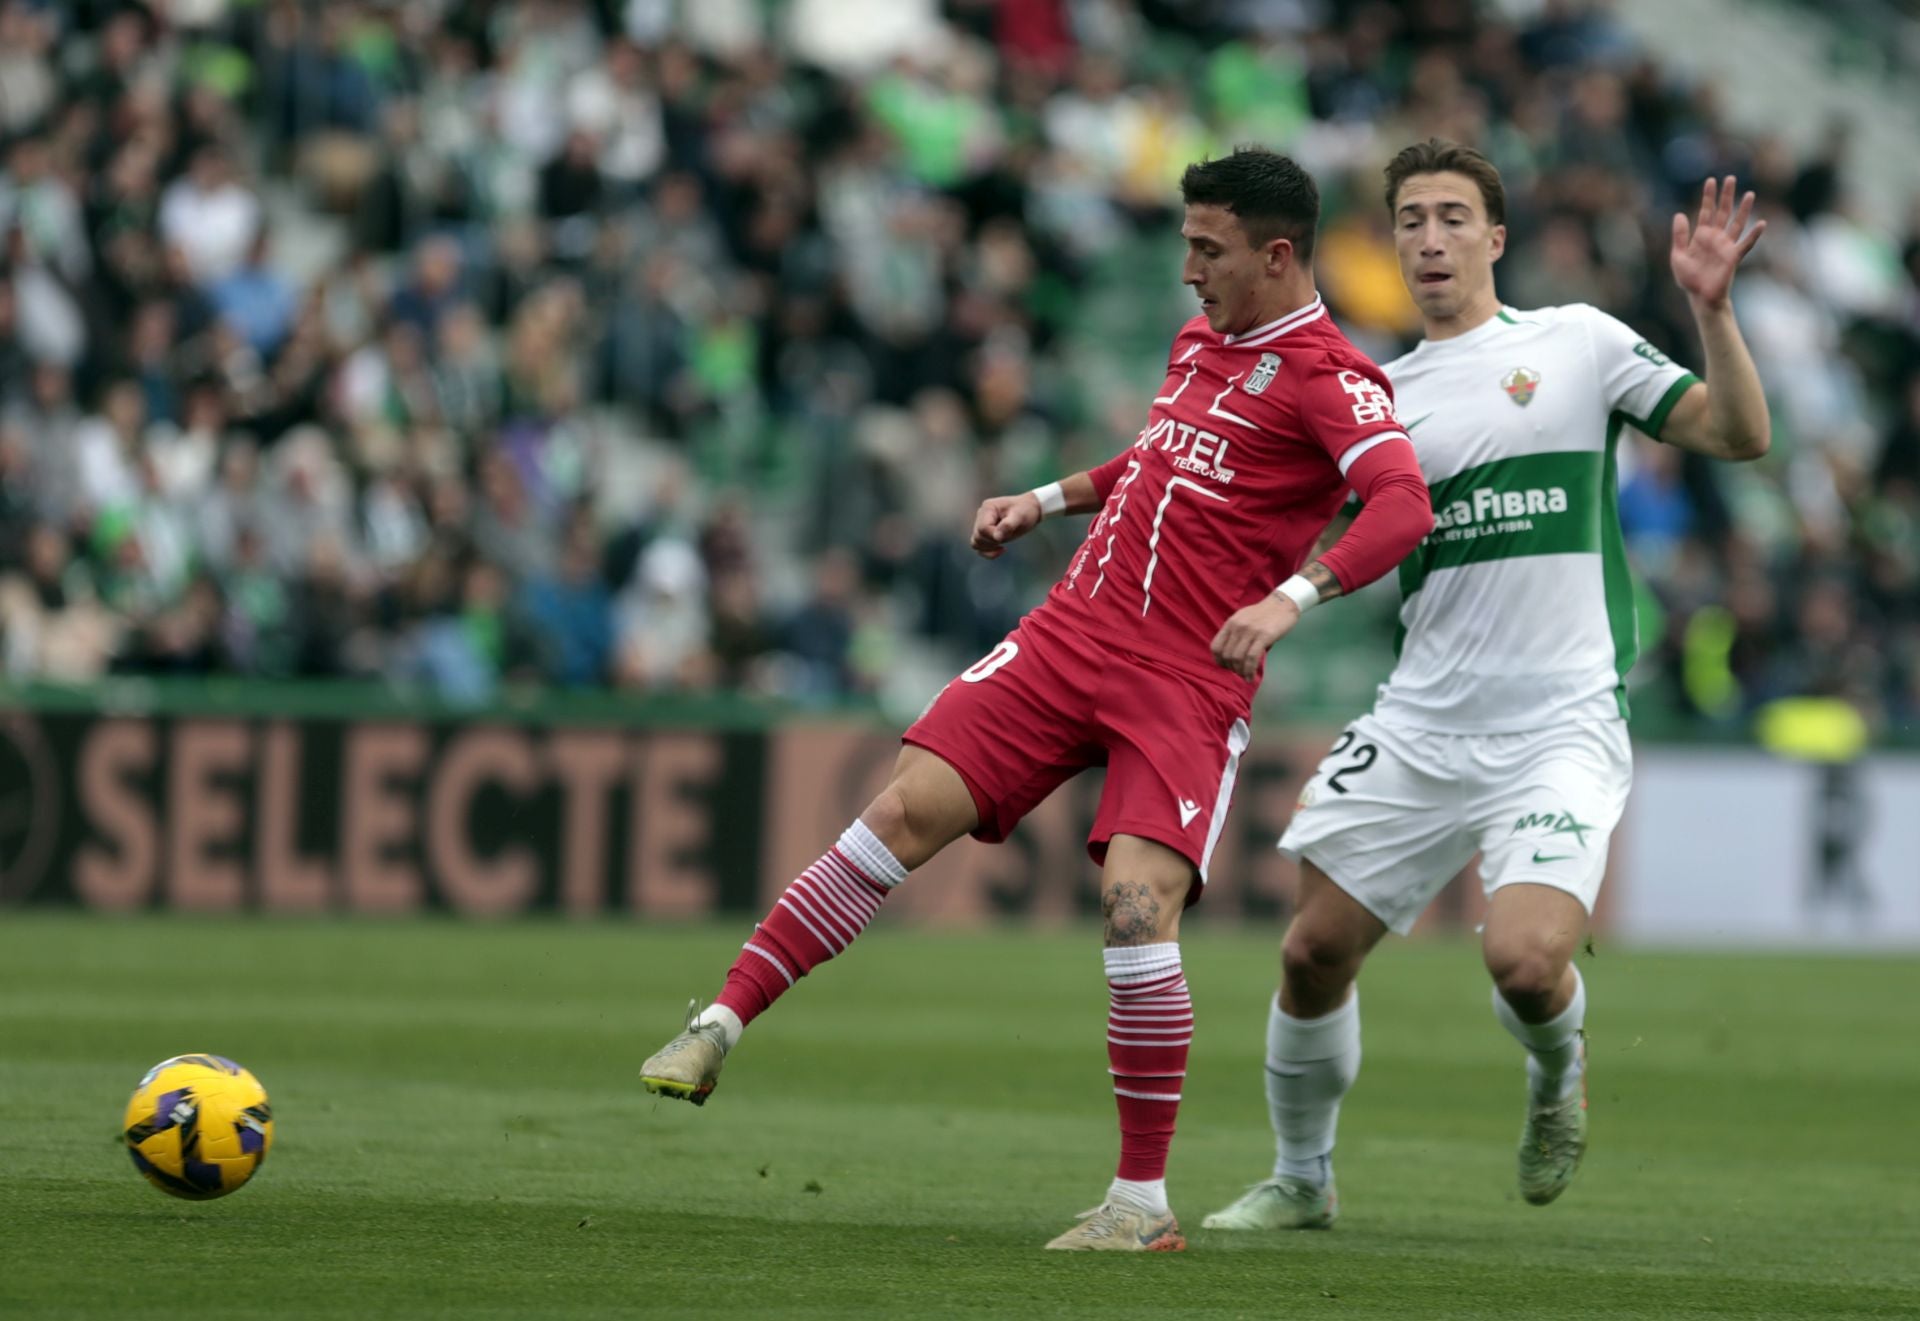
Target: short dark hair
1269,193
1439,156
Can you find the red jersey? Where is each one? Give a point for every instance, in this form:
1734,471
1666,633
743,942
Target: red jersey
1239,469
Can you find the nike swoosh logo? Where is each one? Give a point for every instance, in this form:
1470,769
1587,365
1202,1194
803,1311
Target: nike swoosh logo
1150,1241
1418,420
1188,811
1556,857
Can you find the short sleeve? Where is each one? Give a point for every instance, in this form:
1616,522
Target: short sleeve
1346,408
1635,378
1108,474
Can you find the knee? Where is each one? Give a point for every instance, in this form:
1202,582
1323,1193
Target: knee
886,816
894,822
925,807
1142,910
1526,976
1317,958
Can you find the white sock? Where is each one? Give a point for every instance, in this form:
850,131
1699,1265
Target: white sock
1553,1047
1149,1195
859,843
1311,1062
728,1020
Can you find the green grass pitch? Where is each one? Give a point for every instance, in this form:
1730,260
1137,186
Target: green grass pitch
459,1133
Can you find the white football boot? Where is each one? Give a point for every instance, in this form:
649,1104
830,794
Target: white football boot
1111,1227
688,1066
1553,1141
1280,1203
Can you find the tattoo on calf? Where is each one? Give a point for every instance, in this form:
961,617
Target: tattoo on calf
1132,913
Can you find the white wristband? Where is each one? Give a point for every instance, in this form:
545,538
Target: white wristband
1052,498
1299,591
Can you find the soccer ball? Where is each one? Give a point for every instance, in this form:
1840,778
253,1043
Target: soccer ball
198,1126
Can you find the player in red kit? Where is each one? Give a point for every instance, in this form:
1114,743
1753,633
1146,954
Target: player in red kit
1144,658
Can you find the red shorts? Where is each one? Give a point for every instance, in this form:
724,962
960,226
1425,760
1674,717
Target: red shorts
1049,702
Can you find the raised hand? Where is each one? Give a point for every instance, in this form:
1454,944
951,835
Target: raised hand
1706,253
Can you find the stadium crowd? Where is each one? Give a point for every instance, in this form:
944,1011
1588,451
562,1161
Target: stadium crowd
670,345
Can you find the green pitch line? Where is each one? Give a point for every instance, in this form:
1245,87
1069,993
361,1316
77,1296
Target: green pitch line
460,1134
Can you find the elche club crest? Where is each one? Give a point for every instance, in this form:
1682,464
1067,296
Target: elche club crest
1520,383
1262,375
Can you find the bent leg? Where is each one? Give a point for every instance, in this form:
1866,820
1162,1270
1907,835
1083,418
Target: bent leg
1528,943
957,773
925,807
1531,934
1538,996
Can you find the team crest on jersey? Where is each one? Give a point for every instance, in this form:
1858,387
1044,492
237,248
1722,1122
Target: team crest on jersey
1520,383
1263,373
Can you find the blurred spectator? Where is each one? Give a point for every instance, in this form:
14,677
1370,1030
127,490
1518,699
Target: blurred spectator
109,449
323,614
210,216
28,81
185,638
39,202
614,105
256,299
570,185
259,635
1655,513
742,640
234,507
662,623
672,345
17,512
466,373
818,639
50,624
433,288
184,456
467,648
572,609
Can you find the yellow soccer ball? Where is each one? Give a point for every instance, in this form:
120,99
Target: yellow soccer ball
198,1126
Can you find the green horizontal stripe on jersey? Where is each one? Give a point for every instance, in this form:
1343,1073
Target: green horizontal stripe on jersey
1530,504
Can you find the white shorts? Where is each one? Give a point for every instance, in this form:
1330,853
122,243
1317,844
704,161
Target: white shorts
1393,813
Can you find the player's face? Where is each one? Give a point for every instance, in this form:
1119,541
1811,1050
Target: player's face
1225,270
1447,248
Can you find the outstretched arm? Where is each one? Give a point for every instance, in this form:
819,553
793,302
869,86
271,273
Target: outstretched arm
1725,417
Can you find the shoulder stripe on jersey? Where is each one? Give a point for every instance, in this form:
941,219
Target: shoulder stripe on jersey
1352,453
1275,329
1657,420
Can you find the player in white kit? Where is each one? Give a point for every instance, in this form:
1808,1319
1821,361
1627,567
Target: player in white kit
1502,729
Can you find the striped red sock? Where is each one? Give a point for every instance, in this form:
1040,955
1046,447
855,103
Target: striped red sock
814,919
1149,1030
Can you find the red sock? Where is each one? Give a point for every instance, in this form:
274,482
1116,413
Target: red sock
814,919
1149,1029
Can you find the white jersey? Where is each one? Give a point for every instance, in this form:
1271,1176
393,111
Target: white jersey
1517,611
